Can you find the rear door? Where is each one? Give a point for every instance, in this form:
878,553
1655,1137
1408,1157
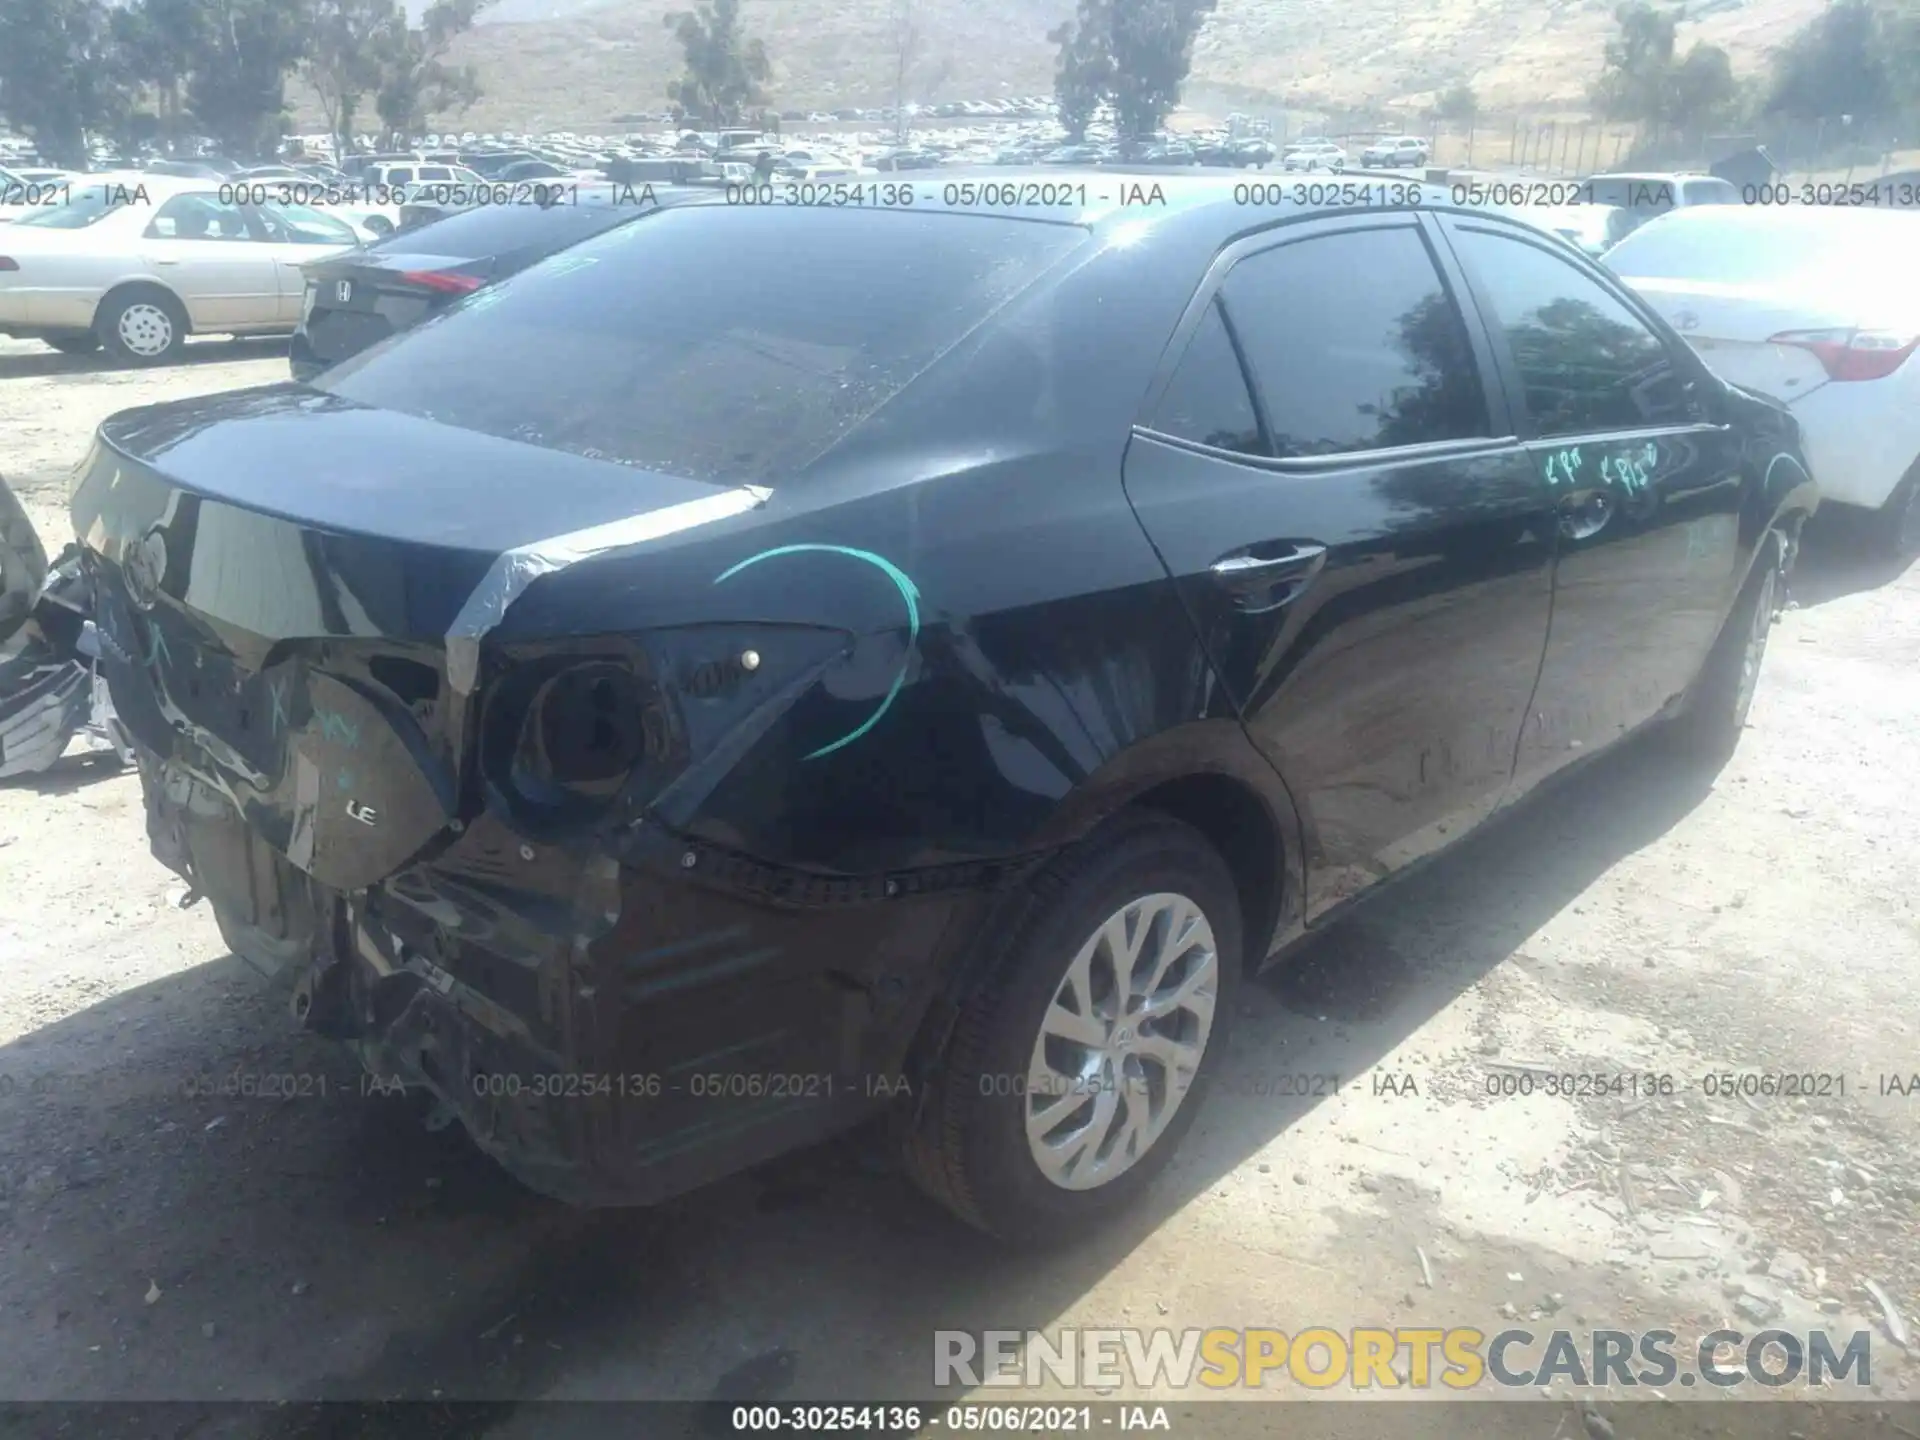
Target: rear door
207,253
1358,536
1645,487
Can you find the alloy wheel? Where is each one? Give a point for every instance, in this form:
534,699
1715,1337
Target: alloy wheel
1755,648
1121,1041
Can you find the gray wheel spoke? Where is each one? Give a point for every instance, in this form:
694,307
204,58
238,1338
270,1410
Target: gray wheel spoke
1185,927
1175,1057
1194,991
1121,1040
1054,1107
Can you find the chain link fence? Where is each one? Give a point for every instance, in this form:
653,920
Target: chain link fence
1837,148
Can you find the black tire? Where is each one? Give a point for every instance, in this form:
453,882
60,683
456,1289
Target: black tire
969,1149
144,311
74,344
1709,725
1898,533
380,225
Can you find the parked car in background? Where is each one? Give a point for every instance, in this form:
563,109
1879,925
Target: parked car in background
1314,155
1817,307
415,177
1250,153
362,296
635,678
1646,195
136,263
1595,229
530,170
24,190
1395,152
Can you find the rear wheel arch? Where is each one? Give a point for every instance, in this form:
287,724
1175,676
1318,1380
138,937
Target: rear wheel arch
130,287
1245,833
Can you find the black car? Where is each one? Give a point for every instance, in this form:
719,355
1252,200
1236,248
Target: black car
362,296
672,722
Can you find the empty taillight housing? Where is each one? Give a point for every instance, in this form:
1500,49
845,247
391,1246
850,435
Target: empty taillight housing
563,735
1848,354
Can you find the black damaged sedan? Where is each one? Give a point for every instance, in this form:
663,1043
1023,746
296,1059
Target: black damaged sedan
765,667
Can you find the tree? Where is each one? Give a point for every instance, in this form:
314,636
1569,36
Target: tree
157,41
1701,91
726,71
906,39
346,59
1152,50
242,50
1841,62
61,75
1132,54
1080,73
416,80
1644,79
1458,103
1638,62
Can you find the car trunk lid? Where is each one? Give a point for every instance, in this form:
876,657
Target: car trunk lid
358,299
278,573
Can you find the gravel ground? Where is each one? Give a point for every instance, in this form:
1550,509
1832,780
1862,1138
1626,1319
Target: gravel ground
155,1243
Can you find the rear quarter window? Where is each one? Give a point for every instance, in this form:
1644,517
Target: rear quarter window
721,343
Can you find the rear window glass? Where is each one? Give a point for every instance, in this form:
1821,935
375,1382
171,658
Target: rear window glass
716,342
82,208
503,229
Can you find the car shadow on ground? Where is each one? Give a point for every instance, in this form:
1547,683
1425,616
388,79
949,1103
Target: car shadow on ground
69,773
1840,555
321,1245
204,350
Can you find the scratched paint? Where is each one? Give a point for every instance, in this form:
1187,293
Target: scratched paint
909,597
335,726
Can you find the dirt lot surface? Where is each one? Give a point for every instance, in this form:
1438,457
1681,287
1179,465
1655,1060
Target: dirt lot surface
159,1243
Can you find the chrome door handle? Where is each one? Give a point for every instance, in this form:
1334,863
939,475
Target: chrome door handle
1260,583
1584,515
1264,569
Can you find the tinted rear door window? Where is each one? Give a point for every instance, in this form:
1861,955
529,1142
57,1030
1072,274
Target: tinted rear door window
722,343
1206,401
1587,363
1354,344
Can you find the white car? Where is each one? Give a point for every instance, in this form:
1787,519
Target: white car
24,190
1314,155
136,263
1592,229
1395,152
1819,308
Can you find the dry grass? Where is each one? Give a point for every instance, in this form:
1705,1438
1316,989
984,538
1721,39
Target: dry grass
581,70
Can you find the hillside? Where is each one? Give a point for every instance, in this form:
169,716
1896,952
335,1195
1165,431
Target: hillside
589,62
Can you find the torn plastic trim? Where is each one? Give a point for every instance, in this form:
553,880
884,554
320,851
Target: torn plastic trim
514,570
